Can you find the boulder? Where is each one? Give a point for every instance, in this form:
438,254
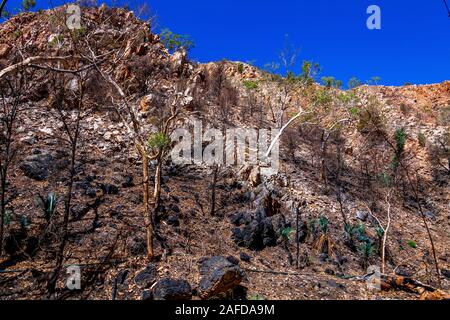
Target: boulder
172,289
244,257
256,235
37,166
146,277
218,277
241,218
362,215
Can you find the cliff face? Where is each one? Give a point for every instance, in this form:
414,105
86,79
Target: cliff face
301,234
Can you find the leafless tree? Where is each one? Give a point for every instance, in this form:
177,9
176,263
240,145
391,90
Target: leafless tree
12,92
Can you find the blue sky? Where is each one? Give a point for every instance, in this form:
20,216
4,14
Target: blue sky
413,44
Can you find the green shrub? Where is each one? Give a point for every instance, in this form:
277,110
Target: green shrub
371,118
240,68
28,4
422,139
173,41
250,85
400,137
322,97
7,218
158,140
323,224
384,179
353,83
366,250
286,233
331,82
48,205
412,244
379,231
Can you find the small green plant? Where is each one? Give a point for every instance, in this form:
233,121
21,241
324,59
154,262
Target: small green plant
322,97
323,224
400,137
173,41
28,4
412,244
48,205
79,33
158,141
286,232
250,85
354,111
24,223
56,41
379,231
331,82
356,230
384,179
353,83
309,70
400,140
7,217
422,139
240,68
256,297
366,250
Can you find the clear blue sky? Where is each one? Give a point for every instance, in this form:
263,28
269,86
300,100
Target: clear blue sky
413,44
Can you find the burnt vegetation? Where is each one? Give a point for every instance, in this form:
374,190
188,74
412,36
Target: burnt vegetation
86,176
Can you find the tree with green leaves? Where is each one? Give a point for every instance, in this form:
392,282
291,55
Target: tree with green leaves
354,83
173,41
27,5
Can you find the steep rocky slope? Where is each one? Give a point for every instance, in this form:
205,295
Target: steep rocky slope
258,222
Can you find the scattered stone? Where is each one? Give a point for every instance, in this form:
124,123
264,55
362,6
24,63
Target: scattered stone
256,235
445,273
128,181
173,220
109,188
233,260
219,276
361,215
37,166
241,218
146,277
334,284
329,271
147,295
136,246
172,289
173,207
245,257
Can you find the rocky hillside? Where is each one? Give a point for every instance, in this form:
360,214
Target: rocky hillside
363,180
